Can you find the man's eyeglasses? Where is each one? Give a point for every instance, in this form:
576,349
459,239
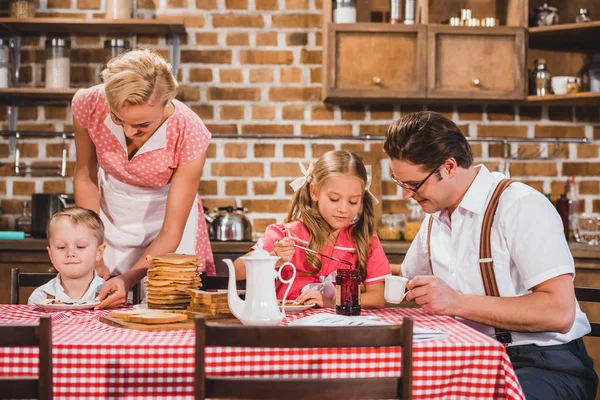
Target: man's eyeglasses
410,188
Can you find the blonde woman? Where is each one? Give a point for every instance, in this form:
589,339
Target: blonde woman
331,213
140,155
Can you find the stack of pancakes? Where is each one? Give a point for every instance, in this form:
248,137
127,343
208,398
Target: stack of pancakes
209,304
171,274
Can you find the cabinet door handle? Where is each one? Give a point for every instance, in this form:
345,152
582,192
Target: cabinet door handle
376,81
476,82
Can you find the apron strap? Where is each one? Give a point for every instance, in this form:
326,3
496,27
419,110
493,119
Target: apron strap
429,242
486,263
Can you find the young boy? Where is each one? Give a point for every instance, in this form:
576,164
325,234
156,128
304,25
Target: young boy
75,243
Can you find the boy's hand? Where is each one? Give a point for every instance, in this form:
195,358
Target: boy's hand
102,270
113,294
284,248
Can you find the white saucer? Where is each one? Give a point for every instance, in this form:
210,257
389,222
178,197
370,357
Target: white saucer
67,305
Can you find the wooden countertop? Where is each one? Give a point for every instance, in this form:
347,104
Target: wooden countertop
390,247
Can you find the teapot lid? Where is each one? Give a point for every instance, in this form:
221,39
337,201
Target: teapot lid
259,252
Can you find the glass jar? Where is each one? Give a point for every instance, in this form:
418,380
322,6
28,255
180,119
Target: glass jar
118,9
114,47
344,12
4,63
347,292
22,8
594,73
545,15
572,85
541,78
391,226
395,11
413,221
58,63
584,16
24,222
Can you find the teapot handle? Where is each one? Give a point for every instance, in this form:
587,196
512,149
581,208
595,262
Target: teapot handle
288,281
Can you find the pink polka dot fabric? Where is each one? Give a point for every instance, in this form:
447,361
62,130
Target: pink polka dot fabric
186,139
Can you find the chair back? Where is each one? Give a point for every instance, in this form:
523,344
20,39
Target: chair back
304,337
591,295
39,335
35,279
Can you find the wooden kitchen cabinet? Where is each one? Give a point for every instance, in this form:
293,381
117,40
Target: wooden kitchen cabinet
377,62
476,63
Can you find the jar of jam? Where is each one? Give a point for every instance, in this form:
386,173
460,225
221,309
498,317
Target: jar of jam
347,292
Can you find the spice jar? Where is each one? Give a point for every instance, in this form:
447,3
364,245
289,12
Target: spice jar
395,12
541,78
4,63
391,226
347,292
58,63
114,47
22,8
414,220
572,85
118,9
584,16
344,12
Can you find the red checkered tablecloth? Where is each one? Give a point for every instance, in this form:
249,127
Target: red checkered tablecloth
93,360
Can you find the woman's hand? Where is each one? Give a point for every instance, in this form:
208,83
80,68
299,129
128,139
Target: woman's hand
315,297
102,270
113,294
283,248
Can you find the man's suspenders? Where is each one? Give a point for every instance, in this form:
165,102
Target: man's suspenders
486,263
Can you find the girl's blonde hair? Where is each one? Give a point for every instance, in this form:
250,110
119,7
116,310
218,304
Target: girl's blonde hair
138,77
80,216
330,164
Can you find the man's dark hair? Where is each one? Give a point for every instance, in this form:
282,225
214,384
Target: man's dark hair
427,138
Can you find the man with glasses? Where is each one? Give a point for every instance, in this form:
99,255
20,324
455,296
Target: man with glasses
534,312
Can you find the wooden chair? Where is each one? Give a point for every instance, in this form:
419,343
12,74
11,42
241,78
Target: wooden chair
592,295
29,335
303,337
21,279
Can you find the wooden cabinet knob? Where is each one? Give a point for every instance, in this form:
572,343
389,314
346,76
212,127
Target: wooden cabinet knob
476,82
376,80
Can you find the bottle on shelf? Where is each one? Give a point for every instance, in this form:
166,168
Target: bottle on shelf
562,206
541,78
24,221
594,73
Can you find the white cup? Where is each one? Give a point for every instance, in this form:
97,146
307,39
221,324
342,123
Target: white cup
559,84
395,288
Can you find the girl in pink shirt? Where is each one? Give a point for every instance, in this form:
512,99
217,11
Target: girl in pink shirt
332,213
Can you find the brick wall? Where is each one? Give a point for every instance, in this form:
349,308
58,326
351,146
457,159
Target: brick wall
254,67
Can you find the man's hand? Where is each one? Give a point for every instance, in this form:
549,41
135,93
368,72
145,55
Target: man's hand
113,294
102,270
433,294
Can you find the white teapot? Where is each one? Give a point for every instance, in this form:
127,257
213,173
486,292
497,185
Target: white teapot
260,307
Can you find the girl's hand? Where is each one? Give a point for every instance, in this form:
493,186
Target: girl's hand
113,294
316,297
285,249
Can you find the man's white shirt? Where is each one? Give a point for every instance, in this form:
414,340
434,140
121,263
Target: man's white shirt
528,248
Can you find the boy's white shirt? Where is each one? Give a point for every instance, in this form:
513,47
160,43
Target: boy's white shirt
54,288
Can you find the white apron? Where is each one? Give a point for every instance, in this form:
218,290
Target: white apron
132,217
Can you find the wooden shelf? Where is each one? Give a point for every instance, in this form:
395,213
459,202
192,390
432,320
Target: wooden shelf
35,26
566,37
35,95
577,99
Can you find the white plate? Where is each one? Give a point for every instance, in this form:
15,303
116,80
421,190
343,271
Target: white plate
67,305
297,309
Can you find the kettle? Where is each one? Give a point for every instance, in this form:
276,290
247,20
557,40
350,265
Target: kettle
43,207
260,307
230,224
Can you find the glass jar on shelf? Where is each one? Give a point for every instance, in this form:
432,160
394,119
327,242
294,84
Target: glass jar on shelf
413,221
344,11
391,227
118,9
24,221
58,63
584,16
114,47
4,63
22,9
